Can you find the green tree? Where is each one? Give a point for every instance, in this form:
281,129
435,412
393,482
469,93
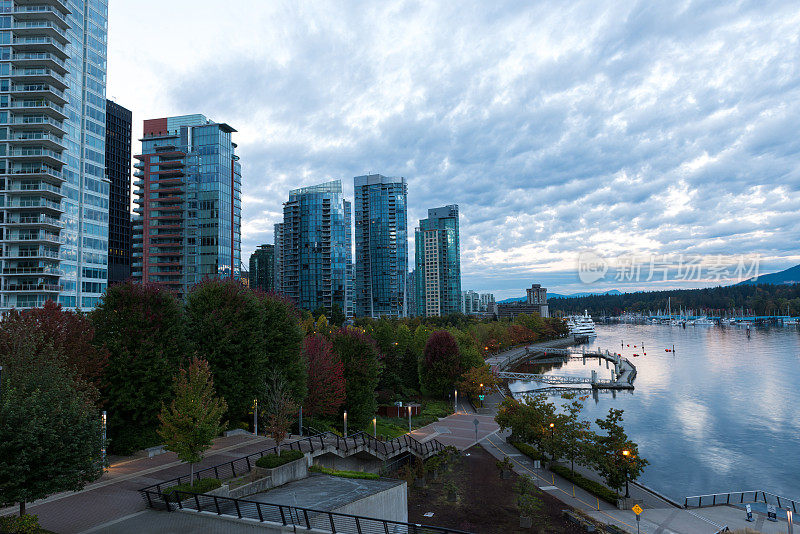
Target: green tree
472,379
409,365
194,417
283,338
529,420
573,431
607,452
471,355
142,327
223,323
279,408
50,430
362,367
441,366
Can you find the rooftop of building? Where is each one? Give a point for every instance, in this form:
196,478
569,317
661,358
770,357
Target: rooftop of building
324,492
167,126
334,186
375,179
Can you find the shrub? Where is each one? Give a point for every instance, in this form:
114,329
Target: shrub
504,464
528,451
344,474
204,485
27,524
591,486
529,505
271,461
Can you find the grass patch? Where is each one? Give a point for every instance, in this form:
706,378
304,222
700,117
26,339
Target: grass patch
589,485
344,474
271,461
203,485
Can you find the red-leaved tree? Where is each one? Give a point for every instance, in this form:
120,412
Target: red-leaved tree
326,383
66,337
441,366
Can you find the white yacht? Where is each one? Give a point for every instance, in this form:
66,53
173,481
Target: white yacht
703,321
581,325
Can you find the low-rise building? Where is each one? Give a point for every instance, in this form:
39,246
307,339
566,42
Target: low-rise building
536,302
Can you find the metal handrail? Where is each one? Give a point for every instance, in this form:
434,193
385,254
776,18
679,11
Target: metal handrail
244,464
741,497
295,516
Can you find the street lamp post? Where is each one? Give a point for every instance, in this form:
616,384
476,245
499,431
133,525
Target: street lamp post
255,416
409,419
103,435
626,453
481,394
455,402
375,427
345,423
552,435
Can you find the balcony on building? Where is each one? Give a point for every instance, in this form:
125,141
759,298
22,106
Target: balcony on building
54,29
37,139
37,43
33,89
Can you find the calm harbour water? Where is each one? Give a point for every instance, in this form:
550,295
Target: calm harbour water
722,413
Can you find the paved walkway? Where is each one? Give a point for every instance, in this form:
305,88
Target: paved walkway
116,495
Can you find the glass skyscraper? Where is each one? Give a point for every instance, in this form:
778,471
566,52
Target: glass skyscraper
54,194
313,249
381,223
438,263
262,268
187,225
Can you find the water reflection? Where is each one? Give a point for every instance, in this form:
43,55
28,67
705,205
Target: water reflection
720,413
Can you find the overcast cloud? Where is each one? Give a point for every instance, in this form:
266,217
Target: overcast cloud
557,127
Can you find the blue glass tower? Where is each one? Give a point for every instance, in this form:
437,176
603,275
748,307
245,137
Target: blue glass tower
54,209
438,263
381,223
314,258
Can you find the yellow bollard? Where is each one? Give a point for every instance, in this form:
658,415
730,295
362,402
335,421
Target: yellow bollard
598,504
553,478
573,491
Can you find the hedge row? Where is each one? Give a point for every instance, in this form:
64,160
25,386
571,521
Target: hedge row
271,461
589,485
528,451
344,474
203,485
579,480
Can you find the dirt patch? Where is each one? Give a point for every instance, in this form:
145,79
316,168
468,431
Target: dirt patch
485,503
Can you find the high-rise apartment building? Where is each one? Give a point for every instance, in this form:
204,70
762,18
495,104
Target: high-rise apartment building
118,172
381,234
187,225
470,303
54,211
262,268
313,254
438,263
277,284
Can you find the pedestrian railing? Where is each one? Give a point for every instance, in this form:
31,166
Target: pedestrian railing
741,497
317,444
292,516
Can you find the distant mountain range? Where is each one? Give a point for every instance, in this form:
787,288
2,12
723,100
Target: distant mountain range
559,296
788,276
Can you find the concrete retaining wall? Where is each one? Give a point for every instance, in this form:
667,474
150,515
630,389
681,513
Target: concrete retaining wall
358,462
389,504
268,479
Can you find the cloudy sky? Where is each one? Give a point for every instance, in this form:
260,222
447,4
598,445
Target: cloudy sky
623,132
